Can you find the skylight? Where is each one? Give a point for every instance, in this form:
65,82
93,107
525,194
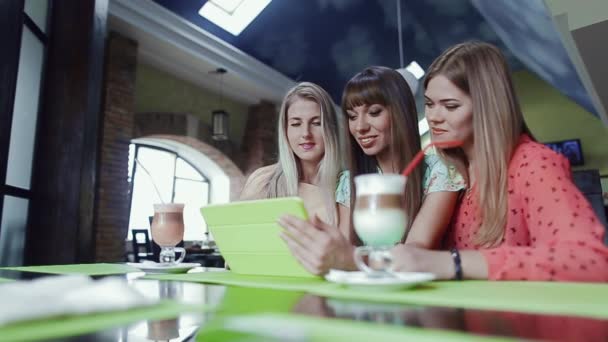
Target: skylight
232,15
227,5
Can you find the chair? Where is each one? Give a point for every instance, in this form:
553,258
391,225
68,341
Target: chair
142,246
588,182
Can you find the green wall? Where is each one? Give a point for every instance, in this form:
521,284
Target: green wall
552,116
157,91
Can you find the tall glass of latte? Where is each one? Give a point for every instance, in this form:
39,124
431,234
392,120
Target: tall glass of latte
168,230
379,220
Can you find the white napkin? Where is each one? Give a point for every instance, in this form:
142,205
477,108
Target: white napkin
66,295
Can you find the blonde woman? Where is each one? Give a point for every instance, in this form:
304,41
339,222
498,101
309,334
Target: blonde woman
521,217
384,137
309,160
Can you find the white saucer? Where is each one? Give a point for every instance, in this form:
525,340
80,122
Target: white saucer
361,280
154,267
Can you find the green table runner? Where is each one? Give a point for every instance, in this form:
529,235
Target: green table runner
88,269
280,327
62,327
249,300
573,299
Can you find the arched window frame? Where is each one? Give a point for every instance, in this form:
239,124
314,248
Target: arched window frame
133,166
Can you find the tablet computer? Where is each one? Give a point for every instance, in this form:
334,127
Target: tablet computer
247,235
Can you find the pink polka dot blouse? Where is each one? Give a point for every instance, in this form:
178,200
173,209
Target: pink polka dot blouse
552,232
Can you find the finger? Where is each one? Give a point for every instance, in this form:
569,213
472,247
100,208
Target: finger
333,231
315,252
307,264
300,226
317,222
301,255
401,259
297,236
301,249
294,222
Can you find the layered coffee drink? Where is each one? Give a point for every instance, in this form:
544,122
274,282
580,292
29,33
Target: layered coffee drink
379,216
168,224
379,219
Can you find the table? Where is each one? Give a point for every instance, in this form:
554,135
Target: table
255,308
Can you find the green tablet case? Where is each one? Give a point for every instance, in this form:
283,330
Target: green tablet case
247,235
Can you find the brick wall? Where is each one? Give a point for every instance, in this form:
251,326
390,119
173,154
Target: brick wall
112,212
173,126
168,123
237,179
259,146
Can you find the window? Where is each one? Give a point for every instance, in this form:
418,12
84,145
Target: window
19,125
156,174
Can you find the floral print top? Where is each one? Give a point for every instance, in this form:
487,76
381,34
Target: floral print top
552,232
437,177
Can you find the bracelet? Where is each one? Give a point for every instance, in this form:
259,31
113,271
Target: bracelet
457,263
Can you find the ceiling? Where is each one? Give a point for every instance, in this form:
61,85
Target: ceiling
328,41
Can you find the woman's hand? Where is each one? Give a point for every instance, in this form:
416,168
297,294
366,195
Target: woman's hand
409,258
318,246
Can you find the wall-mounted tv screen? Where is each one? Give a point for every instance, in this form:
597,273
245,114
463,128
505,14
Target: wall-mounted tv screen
570,148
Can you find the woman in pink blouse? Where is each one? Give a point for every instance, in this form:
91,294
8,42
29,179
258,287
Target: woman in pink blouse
521,217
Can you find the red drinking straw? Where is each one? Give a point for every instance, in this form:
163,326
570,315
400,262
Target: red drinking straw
420,155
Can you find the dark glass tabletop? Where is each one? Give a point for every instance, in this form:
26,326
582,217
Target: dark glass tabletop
233,300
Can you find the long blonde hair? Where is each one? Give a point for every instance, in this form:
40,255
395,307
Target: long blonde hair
284,181
386,87
481,71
